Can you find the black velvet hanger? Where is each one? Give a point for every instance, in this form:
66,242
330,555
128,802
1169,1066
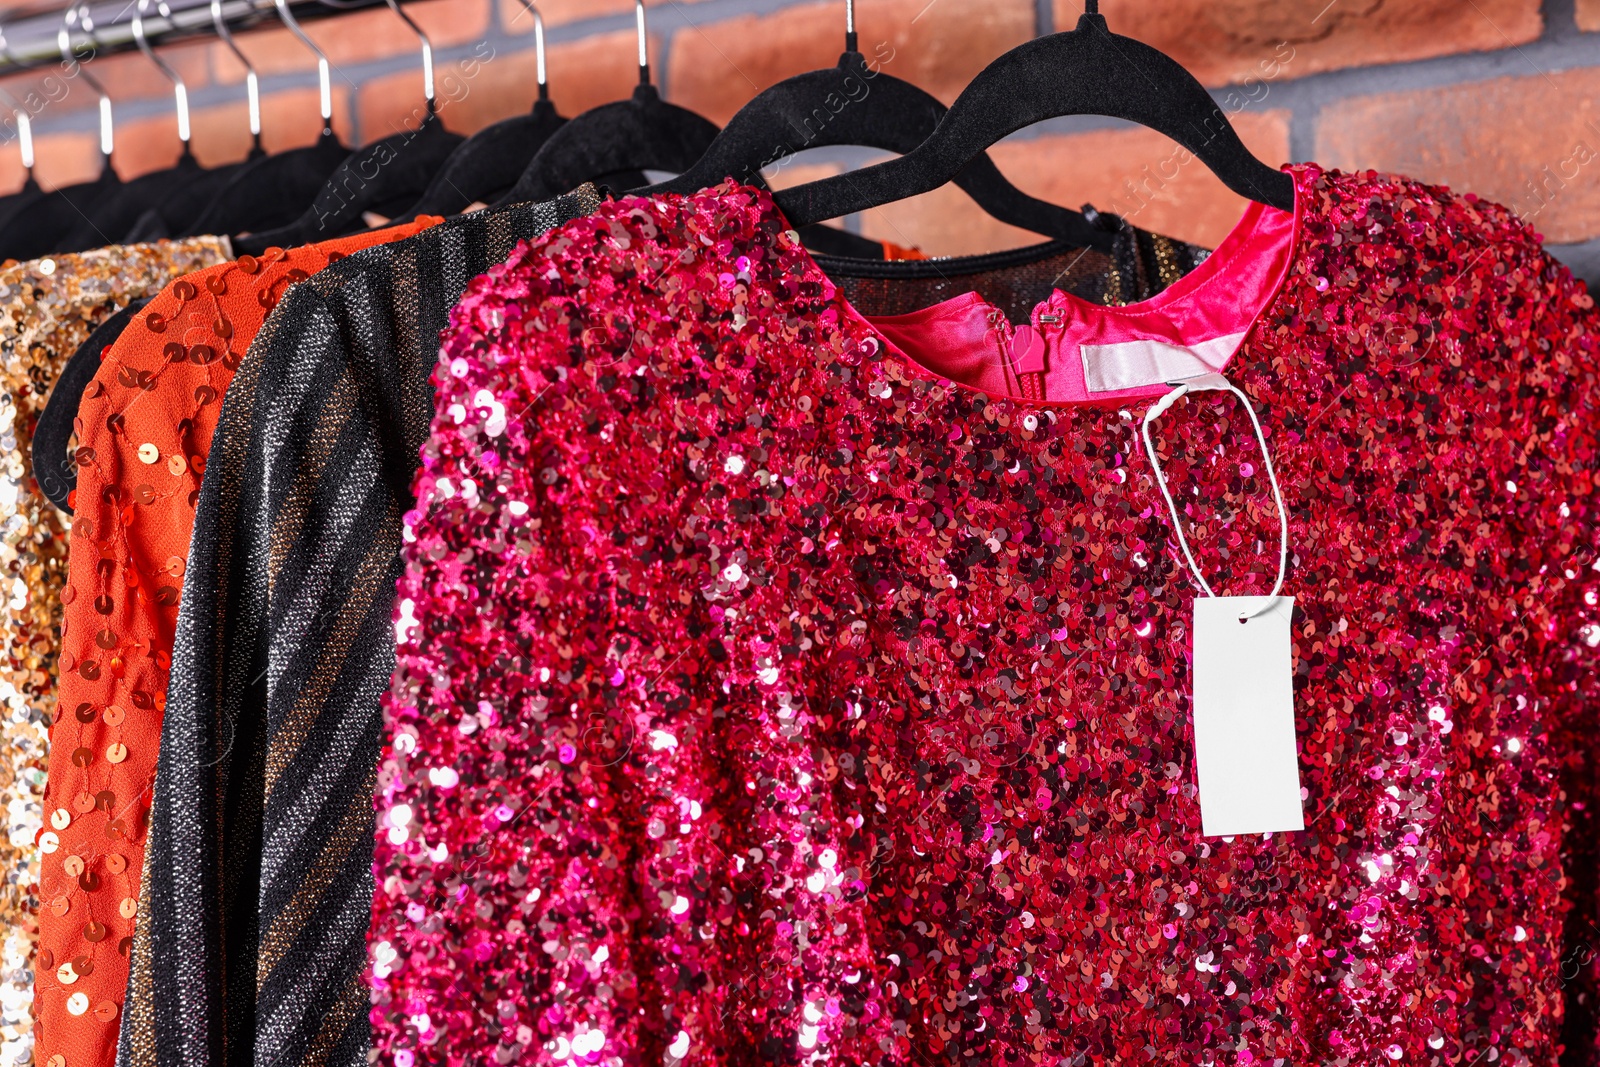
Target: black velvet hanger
31,192
272,191
30,229
841,244
384,178
853,105
485,168
638,134
22,200
1088,71
52,469
487,165
178,211
43,228
109,220
118,214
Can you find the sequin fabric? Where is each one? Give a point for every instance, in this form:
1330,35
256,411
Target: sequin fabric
257,895
762,699
147,422
48,307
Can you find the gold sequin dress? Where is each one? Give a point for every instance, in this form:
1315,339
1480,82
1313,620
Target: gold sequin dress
48,307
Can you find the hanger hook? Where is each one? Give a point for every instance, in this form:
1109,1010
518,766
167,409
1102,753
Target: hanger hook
69,56
252,83
1091,7
644,42
538,49
180,91
324,78
427,55
24,120
851,42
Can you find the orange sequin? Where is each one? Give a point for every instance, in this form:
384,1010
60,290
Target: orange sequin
142,433
48,307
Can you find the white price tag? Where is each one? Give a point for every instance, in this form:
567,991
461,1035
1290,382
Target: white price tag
1244,742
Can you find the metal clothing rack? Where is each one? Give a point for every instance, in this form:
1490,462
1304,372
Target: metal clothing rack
32,40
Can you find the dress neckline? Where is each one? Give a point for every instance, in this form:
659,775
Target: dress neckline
1074,351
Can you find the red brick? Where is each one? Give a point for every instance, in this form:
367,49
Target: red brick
1136,173
593,71
145,145
221,134
129,75
1589,15
289,119
357,37
62,159
715,69
65,159
11,170
473,94
514,17
1532,143
1239,40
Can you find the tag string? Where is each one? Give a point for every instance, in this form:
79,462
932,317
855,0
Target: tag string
1218,383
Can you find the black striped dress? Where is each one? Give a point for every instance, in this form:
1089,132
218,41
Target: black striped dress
258,883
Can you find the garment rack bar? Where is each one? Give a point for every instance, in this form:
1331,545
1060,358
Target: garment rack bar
31,36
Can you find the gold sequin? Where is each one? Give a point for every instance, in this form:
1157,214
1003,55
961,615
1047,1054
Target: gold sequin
48,308
149,453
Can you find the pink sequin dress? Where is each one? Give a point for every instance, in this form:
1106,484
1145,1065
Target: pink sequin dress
781,687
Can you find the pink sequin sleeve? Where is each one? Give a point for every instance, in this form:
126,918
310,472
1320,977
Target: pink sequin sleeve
557,787
1567,558
1529,468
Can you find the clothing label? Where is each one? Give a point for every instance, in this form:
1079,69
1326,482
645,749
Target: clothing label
1244,743
1136,364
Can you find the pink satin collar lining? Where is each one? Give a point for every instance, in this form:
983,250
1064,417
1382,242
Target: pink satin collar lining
1082,352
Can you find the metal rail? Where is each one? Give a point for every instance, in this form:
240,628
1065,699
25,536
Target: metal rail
31,39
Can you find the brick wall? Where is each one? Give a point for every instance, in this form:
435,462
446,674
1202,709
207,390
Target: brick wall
1495,96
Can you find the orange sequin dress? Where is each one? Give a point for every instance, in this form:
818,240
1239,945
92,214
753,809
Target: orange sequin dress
48,307
144,428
